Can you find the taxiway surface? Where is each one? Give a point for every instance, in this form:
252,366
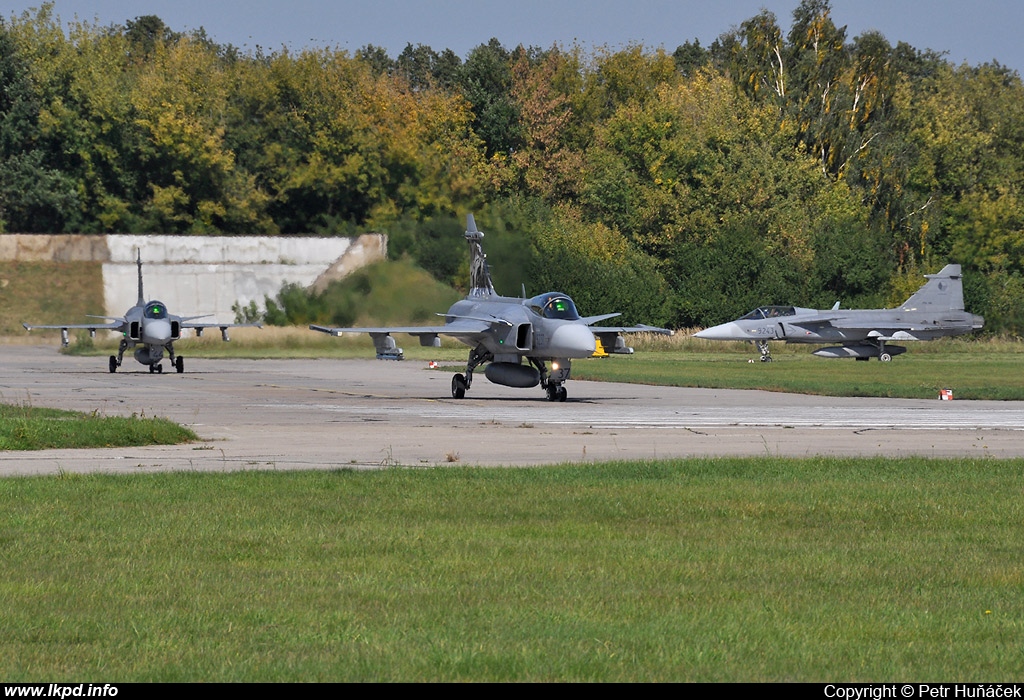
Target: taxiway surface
323,414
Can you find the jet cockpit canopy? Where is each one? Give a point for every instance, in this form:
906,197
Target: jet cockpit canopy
769,312
155,309
554,305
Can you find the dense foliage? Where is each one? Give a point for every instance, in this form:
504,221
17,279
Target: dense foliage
684,188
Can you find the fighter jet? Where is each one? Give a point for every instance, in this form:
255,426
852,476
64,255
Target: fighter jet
147,327
505,331
936,310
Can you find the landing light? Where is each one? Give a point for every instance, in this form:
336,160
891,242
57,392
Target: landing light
554,365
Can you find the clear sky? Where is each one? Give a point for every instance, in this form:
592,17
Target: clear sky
975,31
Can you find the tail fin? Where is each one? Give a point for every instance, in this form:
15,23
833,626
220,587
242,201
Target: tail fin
479,274
943,291
142,298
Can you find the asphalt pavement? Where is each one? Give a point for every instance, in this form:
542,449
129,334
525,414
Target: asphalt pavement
329,414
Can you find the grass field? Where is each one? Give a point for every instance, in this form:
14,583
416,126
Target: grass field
995,376
696,570
693,570
32,428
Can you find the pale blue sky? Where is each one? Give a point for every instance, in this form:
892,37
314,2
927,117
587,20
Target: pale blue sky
975,31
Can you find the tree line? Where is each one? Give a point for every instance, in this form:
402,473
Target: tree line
681,188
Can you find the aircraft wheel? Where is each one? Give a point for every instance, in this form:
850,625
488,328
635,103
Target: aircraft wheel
885,357
113,364
552,392
179,364
458,387
152,369
766,358
562,394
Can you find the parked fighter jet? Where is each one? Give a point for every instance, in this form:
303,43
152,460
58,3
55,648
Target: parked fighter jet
504,331
934,311
148,326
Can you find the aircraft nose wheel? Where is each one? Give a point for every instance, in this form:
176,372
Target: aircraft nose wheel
557,393
113,364
459,387
158,368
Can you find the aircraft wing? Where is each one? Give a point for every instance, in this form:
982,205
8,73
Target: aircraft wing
611,340
200,327
816,324
185,323
114,326
877,331
385,345
591,320
641,328
462,327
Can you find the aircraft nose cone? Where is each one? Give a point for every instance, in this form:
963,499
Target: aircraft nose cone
726,331
156,332
572,340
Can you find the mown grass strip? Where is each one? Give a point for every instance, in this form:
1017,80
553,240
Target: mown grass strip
688,570
995,376
31,428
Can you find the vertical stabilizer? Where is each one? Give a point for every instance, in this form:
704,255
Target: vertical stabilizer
138,261
943,291
479,274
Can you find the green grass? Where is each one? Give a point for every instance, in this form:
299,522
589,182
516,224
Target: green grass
693,570
30,428
969,376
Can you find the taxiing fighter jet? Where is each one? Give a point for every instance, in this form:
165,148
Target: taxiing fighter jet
505,331
936,310
148,328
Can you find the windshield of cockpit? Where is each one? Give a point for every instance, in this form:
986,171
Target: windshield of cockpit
769,312
554,305
155,310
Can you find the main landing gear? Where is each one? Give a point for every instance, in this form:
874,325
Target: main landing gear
876,348
459,386
177,362
551,381
462,382
115,362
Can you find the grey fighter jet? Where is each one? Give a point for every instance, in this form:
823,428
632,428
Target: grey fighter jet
147,327
505,331
936,310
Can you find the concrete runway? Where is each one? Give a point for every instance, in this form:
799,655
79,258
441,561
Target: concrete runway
322,414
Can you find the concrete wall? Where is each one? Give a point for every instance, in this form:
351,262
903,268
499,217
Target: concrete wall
195,275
